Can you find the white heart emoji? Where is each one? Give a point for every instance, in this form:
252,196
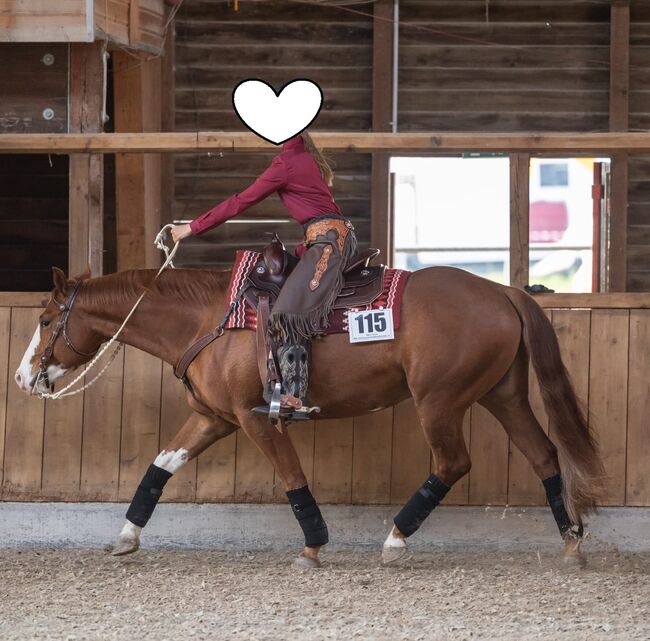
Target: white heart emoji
277,116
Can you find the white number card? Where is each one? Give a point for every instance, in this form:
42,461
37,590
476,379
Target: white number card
371,325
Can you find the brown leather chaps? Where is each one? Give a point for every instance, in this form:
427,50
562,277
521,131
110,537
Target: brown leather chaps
308,295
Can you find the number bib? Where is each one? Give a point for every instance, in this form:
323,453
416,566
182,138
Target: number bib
372,325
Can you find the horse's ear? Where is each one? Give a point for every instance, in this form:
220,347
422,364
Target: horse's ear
85,275
60,280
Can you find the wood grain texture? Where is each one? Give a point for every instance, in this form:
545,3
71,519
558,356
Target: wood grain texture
608,392
23,451
62,443
102,431
638,403
519,219
140,418
371,460
28,86
215,471
488,484
333,461
254,474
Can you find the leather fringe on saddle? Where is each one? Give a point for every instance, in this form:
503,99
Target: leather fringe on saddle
307,298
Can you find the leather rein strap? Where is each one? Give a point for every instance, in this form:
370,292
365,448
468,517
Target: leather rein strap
180,371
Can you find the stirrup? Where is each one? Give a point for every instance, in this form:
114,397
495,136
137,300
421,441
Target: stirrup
285,407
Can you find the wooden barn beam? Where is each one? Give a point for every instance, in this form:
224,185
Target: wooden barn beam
137,176
619,85
86,171
519,219
382,85
421,144
168,118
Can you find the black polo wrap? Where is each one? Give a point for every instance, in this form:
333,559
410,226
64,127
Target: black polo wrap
146,496
309,517
420,505
553,487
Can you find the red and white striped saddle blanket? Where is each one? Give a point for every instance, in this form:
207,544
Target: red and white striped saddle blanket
244,315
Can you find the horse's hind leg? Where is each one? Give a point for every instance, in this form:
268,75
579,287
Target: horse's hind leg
197,433
443,430
509,404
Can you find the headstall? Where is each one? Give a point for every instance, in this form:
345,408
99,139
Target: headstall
61,328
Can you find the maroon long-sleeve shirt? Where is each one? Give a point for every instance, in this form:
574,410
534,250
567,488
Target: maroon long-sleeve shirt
294,175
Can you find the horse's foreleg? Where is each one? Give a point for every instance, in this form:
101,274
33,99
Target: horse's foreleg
444,434
279,450
197,433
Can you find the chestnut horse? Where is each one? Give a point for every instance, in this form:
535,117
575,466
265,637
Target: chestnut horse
463,339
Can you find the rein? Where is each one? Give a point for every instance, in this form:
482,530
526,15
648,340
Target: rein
66,308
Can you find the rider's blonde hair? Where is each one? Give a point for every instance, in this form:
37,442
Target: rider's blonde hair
325,169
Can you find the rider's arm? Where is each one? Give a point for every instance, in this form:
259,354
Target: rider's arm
270,181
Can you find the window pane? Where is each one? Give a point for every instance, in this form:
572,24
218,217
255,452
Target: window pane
561,221
453,211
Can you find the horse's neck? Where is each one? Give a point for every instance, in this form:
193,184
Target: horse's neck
164,323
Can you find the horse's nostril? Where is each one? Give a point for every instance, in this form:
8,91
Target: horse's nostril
19,378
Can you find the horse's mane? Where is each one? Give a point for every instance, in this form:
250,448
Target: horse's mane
191,287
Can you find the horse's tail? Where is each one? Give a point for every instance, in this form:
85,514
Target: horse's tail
582,470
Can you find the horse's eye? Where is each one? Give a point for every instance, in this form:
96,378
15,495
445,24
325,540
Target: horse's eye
45,323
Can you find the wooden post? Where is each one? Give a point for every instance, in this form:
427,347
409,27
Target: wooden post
619,81
137,176
167,102
519,219
86,206
382,82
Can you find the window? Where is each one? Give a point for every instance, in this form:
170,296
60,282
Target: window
554,175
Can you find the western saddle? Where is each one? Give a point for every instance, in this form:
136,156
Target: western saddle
363,283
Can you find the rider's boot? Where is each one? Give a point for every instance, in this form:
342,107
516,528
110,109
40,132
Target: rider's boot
294,369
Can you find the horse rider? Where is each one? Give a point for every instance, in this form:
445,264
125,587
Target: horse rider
302,179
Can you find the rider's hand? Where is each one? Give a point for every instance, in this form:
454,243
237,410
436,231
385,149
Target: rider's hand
179,232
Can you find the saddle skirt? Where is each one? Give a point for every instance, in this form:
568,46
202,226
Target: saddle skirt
365,287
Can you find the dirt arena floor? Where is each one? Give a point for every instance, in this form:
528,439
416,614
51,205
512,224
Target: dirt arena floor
171,595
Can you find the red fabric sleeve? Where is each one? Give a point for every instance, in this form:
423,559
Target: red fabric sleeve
273,178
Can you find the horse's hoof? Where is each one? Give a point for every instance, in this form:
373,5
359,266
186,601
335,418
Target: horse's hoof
306,563
575,559
390,554
573,555
125,546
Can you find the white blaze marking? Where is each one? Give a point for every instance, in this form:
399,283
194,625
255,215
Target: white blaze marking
25,369
130,531
54,372
394,541
171,460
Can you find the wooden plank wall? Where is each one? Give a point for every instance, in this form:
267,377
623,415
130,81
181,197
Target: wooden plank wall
141,28
216,48
34,78
96,446
44,21
509,65
638,231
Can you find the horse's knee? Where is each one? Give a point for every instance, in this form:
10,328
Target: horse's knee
452,470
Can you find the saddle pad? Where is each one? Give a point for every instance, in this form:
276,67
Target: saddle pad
245,317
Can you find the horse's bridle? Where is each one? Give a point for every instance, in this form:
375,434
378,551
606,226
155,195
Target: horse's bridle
61,328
